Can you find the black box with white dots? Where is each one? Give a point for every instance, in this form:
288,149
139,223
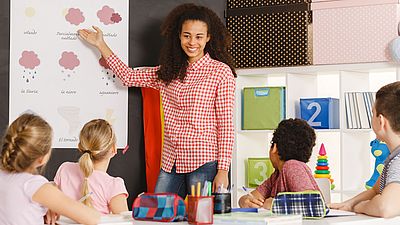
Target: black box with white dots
270,33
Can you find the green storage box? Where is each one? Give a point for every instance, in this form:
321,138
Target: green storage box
262,107
258,170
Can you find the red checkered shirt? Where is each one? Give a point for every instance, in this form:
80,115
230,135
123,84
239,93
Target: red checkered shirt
198,112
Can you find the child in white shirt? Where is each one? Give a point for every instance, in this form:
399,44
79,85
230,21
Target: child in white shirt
25,195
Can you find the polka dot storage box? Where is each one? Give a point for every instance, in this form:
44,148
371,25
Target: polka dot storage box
270,33
353,31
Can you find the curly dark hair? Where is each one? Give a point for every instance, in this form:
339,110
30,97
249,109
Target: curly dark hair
173,60
387,103
294,139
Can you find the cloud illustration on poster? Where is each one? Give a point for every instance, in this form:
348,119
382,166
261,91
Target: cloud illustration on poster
69,61
29,60
116,18
108,16
75,16
108,75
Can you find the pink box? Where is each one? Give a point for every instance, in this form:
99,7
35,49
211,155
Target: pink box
353,31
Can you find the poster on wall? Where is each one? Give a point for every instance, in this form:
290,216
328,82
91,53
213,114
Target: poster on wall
56,75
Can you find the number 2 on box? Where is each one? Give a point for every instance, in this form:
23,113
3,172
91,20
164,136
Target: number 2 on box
316,113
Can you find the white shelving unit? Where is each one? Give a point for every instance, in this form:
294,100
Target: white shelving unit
350,161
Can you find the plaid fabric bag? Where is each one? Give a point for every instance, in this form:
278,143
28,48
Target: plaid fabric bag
310,204
163,207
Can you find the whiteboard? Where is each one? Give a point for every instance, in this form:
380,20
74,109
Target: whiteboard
59,77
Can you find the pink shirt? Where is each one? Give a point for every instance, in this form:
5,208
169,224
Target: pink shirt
16,204
198,112
69,179
295,176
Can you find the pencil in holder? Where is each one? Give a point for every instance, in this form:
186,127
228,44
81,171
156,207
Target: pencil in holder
222,203
200,209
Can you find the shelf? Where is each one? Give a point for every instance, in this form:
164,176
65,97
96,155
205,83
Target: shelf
348,149
317,69
327,130
357,130
272,131
255,131
346,192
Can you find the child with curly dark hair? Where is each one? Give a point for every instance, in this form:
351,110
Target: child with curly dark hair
196,79
291,148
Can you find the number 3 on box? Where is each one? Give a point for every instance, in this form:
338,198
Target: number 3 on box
263,172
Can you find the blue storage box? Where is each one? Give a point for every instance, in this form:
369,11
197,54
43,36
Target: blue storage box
320,113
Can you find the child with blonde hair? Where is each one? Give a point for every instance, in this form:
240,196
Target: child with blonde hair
25,195
88,179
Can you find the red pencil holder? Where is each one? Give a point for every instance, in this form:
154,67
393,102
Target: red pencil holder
200,209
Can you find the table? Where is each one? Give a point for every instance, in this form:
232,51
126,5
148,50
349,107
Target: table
358,219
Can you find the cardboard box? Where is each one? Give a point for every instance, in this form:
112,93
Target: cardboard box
270,33
320,113
258,170
353,31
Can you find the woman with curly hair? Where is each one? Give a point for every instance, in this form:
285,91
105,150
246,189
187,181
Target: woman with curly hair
196,81
291,148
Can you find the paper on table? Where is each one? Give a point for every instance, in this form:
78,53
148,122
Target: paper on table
261,218
336,212
111,218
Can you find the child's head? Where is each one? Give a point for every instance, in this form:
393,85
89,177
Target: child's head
26,144
387,105
96,143
293,139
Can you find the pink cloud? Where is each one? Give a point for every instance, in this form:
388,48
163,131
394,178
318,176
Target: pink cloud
29,60
103,63
105,15
75,16
69,60
116,17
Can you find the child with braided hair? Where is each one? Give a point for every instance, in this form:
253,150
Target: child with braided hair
25,195
88,179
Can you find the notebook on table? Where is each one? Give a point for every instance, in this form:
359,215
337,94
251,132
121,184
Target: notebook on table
260,218
105,219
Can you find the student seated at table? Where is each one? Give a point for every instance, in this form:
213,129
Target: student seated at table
383,200
26,196
291,148
88,179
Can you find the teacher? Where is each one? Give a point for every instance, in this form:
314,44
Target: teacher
196,79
